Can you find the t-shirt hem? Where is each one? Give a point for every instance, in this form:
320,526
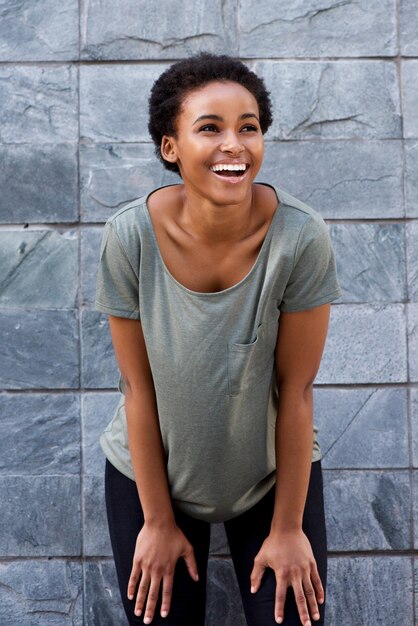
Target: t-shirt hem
134,315
334,295
125,468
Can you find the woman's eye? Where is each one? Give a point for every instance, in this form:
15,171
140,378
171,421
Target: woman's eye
209,127
249,127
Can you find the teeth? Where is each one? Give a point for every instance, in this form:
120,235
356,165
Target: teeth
237,167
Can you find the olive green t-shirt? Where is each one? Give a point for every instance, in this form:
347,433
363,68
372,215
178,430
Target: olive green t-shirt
212,355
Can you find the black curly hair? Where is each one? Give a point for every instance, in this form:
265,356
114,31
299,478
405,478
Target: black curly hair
169,90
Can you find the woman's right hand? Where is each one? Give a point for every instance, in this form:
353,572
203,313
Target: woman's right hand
156,553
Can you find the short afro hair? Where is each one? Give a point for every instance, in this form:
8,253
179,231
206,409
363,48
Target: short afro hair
170,89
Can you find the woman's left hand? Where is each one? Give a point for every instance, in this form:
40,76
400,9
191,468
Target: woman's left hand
290,555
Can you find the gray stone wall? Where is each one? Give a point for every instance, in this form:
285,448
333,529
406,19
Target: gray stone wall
74,81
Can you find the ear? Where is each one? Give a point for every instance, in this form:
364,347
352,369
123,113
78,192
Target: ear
168,149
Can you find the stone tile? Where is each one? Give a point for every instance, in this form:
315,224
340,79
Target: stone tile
98,410
114,101
90,252
412,259
99,367
103,604
95,530
283,29
366,344
39,349
41,593
223,603
414,423
38,104
413,341
411,178
367,510
410,98
218,541
40,516
333,99
144,31
415,505
370,261
372,590
344,180
38,183
47,259
409,28
362,428
40,434
114,174
39,31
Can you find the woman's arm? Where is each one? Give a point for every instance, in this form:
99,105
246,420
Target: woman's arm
160,542
300,344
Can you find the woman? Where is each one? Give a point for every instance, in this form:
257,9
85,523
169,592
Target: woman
215,418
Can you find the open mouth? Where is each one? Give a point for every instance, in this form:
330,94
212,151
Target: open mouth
230,171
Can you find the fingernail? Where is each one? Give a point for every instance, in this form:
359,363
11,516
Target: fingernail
308,623
252,589
164,613
316,615
138,612
130,597
196,577
279,620
147,620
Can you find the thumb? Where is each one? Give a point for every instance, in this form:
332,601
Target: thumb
256,576
188,556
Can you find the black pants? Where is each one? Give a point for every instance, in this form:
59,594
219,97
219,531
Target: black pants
245,534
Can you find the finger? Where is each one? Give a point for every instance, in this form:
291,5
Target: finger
280,597
152,599
316,581
191,564
133,580
142,593
256,576
166,594
301,603
311,597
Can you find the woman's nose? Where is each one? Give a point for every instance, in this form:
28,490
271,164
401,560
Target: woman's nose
231,143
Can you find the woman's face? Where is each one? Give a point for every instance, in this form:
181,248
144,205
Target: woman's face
219,145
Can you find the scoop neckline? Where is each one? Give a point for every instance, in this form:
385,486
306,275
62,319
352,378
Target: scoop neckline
228,289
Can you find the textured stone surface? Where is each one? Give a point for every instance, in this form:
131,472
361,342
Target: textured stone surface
103,604
39,31
365,344
341,179
99,363
150,30
412,259
41,593
410,98
38,104
38,183
370,261
409,27
40,434
375,590
95,530
98,410
44,258
114,174
411,178
114,101
414,422
39,349
415,505
362,428
332,100
312,28
413,341
367,510
40,516
223,602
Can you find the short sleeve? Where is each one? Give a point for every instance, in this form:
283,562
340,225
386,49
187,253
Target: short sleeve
313,280
117,286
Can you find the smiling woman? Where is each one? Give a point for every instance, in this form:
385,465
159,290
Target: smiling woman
218,293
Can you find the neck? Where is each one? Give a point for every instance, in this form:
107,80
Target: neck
215,223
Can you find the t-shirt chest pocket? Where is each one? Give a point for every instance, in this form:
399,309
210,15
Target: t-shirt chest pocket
248,362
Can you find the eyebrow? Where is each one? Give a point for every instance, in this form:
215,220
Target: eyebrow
208,116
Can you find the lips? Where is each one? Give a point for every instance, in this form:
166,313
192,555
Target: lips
231,172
